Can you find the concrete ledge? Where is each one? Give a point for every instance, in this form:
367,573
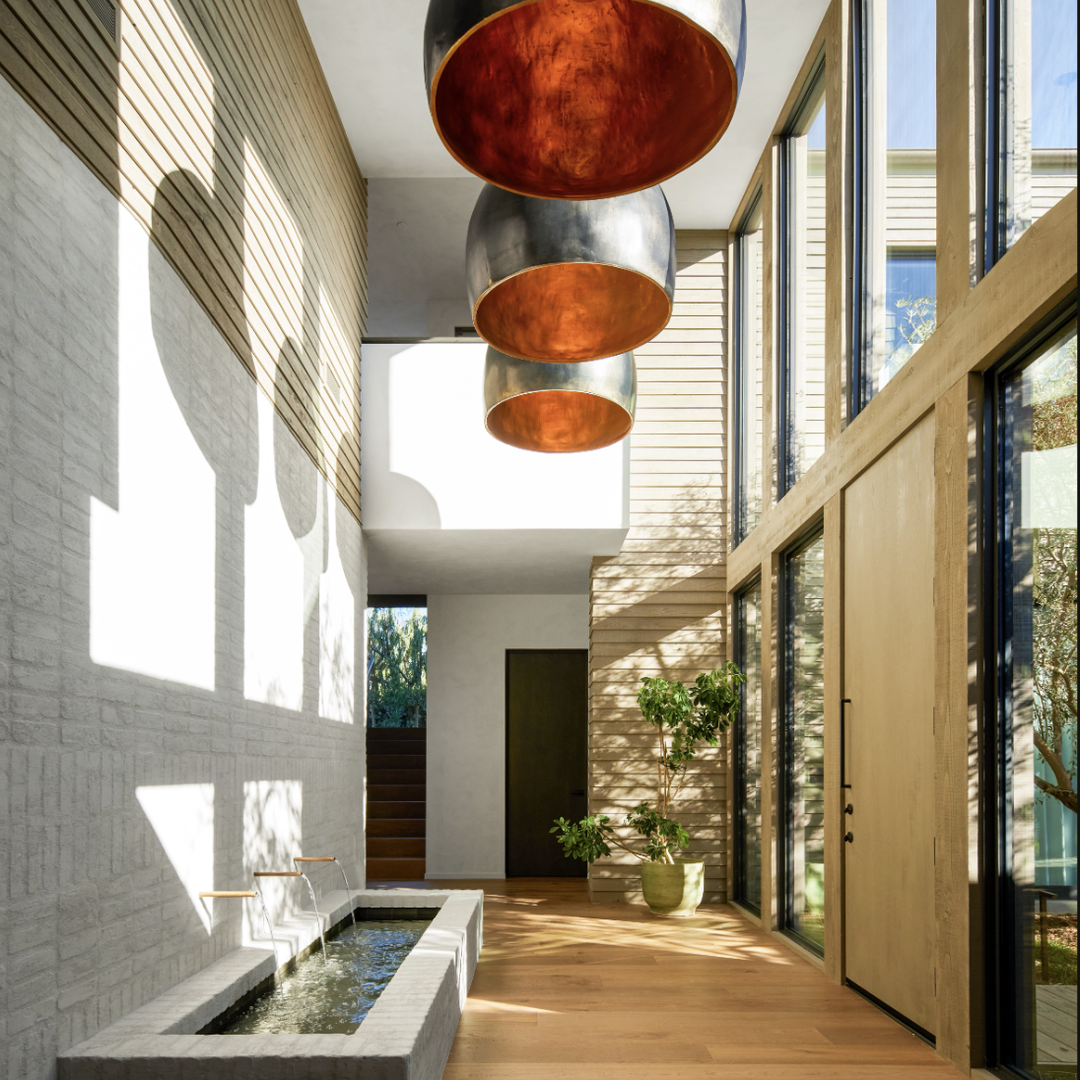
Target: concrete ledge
406,1035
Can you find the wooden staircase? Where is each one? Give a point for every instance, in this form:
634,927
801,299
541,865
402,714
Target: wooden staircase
396,803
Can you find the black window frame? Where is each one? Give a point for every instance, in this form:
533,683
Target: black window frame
739,750
995,181
740,345
998,896
859,181
786,740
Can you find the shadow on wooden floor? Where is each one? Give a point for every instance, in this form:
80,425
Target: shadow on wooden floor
569,990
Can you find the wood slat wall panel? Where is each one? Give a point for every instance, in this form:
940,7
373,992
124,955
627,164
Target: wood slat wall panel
216,129
658,608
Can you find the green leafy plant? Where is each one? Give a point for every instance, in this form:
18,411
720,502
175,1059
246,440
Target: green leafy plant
397,667
685,718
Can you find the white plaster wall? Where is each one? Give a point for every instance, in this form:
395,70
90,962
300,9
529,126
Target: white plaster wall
466,717
428,462
165,725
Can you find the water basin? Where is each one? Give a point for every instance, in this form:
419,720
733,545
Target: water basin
406,1035
331,996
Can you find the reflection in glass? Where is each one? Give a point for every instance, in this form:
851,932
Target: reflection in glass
803,333
748,750
910,287
1038,115
1040,565
900,186
804,743
750,334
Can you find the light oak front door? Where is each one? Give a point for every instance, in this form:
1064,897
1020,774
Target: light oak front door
888,728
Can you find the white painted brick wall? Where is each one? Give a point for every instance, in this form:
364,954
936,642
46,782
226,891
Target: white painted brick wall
94,921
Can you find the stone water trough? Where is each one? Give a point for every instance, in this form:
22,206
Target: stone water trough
406,1035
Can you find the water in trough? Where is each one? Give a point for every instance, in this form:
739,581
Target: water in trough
331,996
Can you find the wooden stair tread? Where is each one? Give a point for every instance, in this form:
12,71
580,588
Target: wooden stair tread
395,869
395,840
408,827
395,847
396,809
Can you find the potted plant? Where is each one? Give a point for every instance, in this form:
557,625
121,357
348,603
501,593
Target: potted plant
685,718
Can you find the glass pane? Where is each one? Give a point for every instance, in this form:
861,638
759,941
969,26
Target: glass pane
748,750
1041,537
806,282
903,185
1040,109
805,744
751,332
910,287
397,667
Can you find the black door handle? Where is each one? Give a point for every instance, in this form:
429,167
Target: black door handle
580,791
848,838
843,743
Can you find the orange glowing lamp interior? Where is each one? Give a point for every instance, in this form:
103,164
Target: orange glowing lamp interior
567,99
559,421
567,312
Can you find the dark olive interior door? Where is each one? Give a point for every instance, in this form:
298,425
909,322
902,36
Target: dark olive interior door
547,705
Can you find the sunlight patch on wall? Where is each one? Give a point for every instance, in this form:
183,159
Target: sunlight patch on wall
152,573
182,816
437,437
337,631
198,97
273,814
273,588
273,306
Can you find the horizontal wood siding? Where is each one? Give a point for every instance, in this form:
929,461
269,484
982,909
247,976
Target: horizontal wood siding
213,124
658,608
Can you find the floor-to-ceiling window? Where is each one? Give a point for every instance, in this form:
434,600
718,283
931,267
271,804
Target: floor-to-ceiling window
803,744
894,307
748,750
801,315
749,352
1036,654
1031,114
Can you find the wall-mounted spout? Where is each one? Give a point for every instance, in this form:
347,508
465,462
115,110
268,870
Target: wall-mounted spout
241,894
333,859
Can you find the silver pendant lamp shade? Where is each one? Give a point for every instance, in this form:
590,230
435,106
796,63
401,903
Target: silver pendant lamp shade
559,408
582,99
561,282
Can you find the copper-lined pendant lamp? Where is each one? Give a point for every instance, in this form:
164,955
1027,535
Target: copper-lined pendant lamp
560,282
559,408
582,99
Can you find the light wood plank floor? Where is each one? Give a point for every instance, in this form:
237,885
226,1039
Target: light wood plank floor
1055,1011
566,989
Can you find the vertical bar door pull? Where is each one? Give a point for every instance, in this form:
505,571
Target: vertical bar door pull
843,744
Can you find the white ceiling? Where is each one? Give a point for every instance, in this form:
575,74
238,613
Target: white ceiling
372,54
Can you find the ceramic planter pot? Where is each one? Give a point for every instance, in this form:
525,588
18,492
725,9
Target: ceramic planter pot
673,889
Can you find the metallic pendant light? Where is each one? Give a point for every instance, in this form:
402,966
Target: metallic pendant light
582,99
561,282
559,408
